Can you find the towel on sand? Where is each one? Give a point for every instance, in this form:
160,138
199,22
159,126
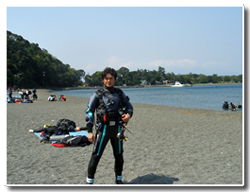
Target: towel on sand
76,133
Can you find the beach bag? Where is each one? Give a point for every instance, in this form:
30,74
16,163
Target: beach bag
72,141
66,124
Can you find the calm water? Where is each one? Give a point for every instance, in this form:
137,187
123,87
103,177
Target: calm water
197,96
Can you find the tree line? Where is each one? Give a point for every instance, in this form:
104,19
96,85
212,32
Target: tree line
29,66
132,78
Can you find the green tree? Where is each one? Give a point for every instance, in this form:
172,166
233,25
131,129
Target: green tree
227,78
215,78
187,79
96,79
203,78
122,72
87,79
239,78
32,62
161,71
121,75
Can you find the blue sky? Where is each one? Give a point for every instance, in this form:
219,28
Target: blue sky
183,40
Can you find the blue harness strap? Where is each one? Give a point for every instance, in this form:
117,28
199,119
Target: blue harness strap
119,140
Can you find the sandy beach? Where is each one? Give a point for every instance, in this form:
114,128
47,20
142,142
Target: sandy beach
168,145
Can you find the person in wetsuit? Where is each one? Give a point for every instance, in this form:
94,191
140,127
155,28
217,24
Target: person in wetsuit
233,108
107,102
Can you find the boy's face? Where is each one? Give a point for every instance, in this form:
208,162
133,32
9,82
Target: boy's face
109,80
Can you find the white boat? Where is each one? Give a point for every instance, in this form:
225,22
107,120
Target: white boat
178,84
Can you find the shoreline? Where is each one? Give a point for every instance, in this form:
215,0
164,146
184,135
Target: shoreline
45,93
140,86
168,146
49,91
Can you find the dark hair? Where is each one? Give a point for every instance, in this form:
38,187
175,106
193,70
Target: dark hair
110,71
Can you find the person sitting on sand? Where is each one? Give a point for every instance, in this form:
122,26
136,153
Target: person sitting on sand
52,98
106,101
62,98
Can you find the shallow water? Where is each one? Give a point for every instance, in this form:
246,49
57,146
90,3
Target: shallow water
197,96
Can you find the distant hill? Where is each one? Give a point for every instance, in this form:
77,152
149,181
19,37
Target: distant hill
29,66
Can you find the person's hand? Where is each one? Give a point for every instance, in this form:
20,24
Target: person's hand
91,137
125,118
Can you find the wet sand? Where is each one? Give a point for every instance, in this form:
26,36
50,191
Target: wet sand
168,146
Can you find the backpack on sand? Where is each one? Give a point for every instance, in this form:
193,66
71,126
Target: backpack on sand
66,124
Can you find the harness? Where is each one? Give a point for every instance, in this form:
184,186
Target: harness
104,116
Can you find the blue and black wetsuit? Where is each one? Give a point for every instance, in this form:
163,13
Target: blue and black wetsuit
107,130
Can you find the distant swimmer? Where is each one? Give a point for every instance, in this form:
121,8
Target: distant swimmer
233,107
225,105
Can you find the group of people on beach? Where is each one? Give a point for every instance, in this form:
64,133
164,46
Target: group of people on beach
231,106
53,98
24,95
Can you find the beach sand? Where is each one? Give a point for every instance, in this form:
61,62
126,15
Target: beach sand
168,145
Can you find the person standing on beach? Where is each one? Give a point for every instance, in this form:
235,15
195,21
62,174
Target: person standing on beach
22,93
107,102
34,94
10,93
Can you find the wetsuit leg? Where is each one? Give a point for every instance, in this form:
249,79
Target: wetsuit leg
117,146
39,129
99,146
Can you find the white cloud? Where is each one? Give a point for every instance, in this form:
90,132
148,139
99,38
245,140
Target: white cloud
211,64
89,67
173,63
92,68
116,63
114,60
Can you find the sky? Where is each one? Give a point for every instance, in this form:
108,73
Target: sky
183,40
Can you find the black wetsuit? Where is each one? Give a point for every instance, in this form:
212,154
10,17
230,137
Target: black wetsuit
107,130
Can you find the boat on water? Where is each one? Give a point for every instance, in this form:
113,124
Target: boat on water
178,84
